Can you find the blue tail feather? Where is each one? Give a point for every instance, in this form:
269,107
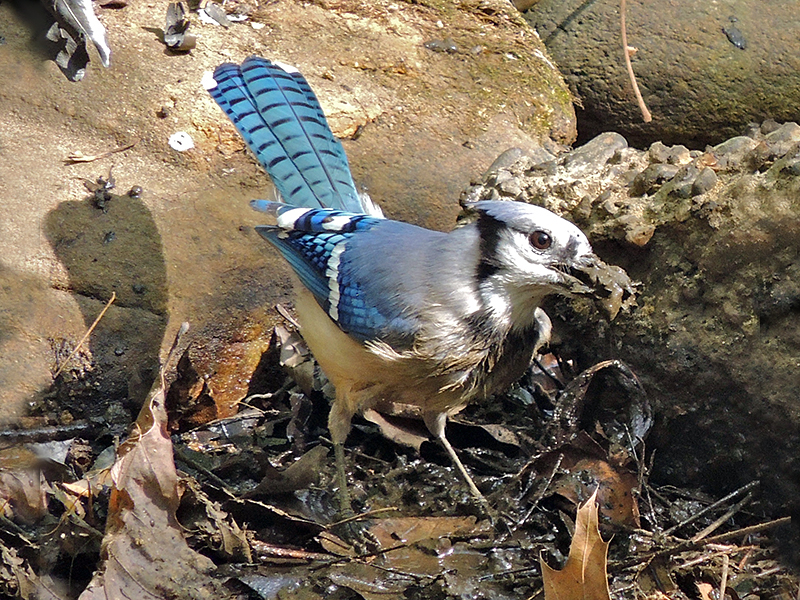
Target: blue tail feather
280,119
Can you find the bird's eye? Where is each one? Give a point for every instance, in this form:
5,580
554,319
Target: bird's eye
540,240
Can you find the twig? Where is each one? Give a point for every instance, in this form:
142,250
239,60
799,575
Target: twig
711,507
189,460
86,335
266,551
724,537
724,583
541,493
646,116
79,157
82,428
716,524
362,516
689,545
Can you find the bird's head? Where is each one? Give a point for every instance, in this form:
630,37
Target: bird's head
528,252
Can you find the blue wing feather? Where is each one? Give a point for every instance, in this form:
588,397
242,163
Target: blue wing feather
315,243
280,119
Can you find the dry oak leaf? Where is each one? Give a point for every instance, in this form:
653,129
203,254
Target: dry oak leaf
144,554
584,575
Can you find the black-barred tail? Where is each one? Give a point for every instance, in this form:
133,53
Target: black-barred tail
280,119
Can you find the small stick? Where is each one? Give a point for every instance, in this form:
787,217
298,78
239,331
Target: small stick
86,335
724,537
646,116
688,545
80,157
724,583
716,524
711,507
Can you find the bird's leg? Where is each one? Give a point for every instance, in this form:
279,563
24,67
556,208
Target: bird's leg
339,426
436,423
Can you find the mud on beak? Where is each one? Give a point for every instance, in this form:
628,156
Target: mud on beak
608,285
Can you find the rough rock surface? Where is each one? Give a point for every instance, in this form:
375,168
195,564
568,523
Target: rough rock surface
184,249
714,238
705,69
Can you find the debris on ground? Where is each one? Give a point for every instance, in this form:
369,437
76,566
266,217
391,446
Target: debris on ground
561,458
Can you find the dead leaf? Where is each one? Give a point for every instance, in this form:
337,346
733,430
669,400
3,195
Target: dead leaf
144,554
423,546
20,577
301,474
613,489
234,538
23,495
399,430
584,575
705,589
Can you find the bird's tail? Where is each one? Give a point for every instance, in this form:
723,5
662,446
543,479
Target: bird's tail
279,116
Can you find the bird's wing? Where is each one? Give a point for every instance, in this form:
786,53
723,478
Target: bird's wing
280,118
316,245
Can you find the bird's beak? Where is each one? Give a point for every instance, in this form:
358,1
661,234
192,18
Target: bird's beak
608,285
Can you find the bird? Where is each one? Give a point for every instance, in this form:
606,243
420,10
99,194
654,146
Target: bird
396,315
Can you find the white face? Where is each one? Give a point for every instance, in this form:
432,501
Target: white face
535,253
538,258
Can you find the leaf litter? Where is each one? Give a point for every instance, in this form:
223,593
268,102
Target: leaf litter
251,513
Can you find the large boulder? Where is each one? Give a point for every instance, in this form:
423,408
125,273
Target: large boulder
705,69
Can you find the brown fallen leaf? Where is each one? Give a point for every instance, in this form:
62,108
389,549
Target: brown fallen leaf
613,488
705,589
23,495
144,554
301,474
584,575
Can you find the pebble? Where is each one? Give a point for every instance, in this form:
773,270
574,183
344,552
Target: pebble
658,152
768,126
674,155
761,157
793,168
786,132
735,36
595,153
445,45
706,180
652,178
734,150
682,182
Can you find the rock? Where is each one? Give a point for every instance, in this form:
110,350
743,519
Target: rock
595,153
652,178
506,159
704,182
732,152
693,67
715,339
681,184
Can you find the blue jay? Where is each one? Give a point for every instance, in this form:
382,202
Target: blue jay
398,317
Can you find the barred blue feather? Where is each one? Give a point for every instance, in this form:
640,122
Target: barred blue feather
280,119
317,245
